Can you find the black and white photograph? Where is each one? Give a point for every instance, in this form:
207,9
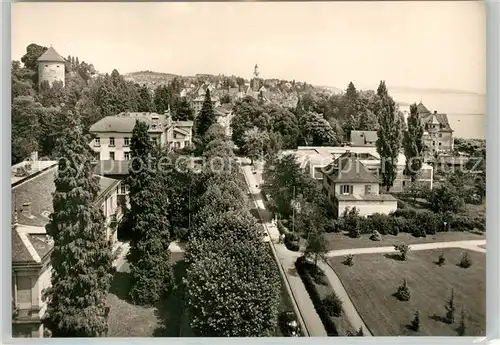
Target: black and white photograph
248,169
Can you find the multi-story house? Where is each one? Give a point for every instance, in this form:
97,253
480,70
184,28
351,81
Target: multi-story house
113,134
348,184
197,103
438,135
32,185
313,159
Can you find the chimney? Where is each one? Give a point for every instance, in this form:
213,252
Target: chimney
26,210
435,112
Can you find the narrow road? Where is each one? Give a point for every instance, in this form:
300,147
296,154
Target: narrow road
287,261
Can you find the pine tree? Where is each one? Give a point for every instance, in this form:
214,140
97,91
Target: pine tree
206,118
450,308
81,259
415,323
461,326
413,143
390,135
150,236
184,111
145,101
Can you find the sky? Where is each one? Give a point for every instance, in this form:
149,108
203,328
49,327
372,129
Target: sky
438,45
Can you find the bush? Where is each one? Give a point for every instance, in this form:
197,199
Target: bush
441,259
332,305
375,236
381,223
407,213
282,228
450,308
403,293
349,260
465,261
403,250
332,226
292,242
401,204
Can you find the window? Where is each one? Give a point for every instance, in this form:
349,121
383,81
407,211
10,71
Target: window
127,155
111,141
123,188
97,142
440,135
175,135
368,189
177,144
433,143
154,141
440,144
112,156
153,126
46,65
346,189
57,66
126,141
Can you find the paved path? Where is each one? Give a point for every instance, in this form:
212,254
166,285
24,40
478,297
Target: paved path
470,245
287,261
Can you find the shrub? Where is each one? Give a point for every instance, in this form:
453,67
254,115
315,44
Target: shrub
465,261
281,227
355,232
181,233
407,213
349,260
292,241
441,259
375,236
332,305
403,293
415,323
401,204
403,250
381,223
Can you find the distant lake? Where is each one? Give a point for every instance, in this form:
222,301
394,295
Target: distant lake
466,112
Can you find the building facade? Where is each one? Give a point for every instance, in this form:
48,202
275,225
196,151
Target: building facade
113,134
32,185
51,67
197,103
349,184
313,159
224,115
438,135
363,138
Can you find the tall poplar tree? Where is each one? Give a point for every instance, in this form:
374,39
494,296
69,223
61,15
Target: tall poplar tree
206,117
413,144
81,259
390,134
150,236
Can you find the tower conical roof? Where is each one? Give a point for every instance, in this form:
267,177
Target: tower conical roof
51,56
422,109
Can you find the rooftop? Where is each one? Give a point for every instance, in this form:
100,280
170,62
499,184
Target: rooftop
37,191
125,122
51,55
348,168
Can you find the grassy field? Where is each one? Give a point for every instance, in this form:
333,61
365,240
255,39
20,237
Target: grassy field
374,278
129,320
338,241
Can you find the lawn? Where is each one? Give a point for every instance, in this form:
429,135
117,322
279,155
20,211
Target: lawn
374,278
338,241
129,320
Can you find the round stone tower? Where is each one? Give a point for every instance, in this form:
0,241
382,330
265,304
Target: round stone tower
51,67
